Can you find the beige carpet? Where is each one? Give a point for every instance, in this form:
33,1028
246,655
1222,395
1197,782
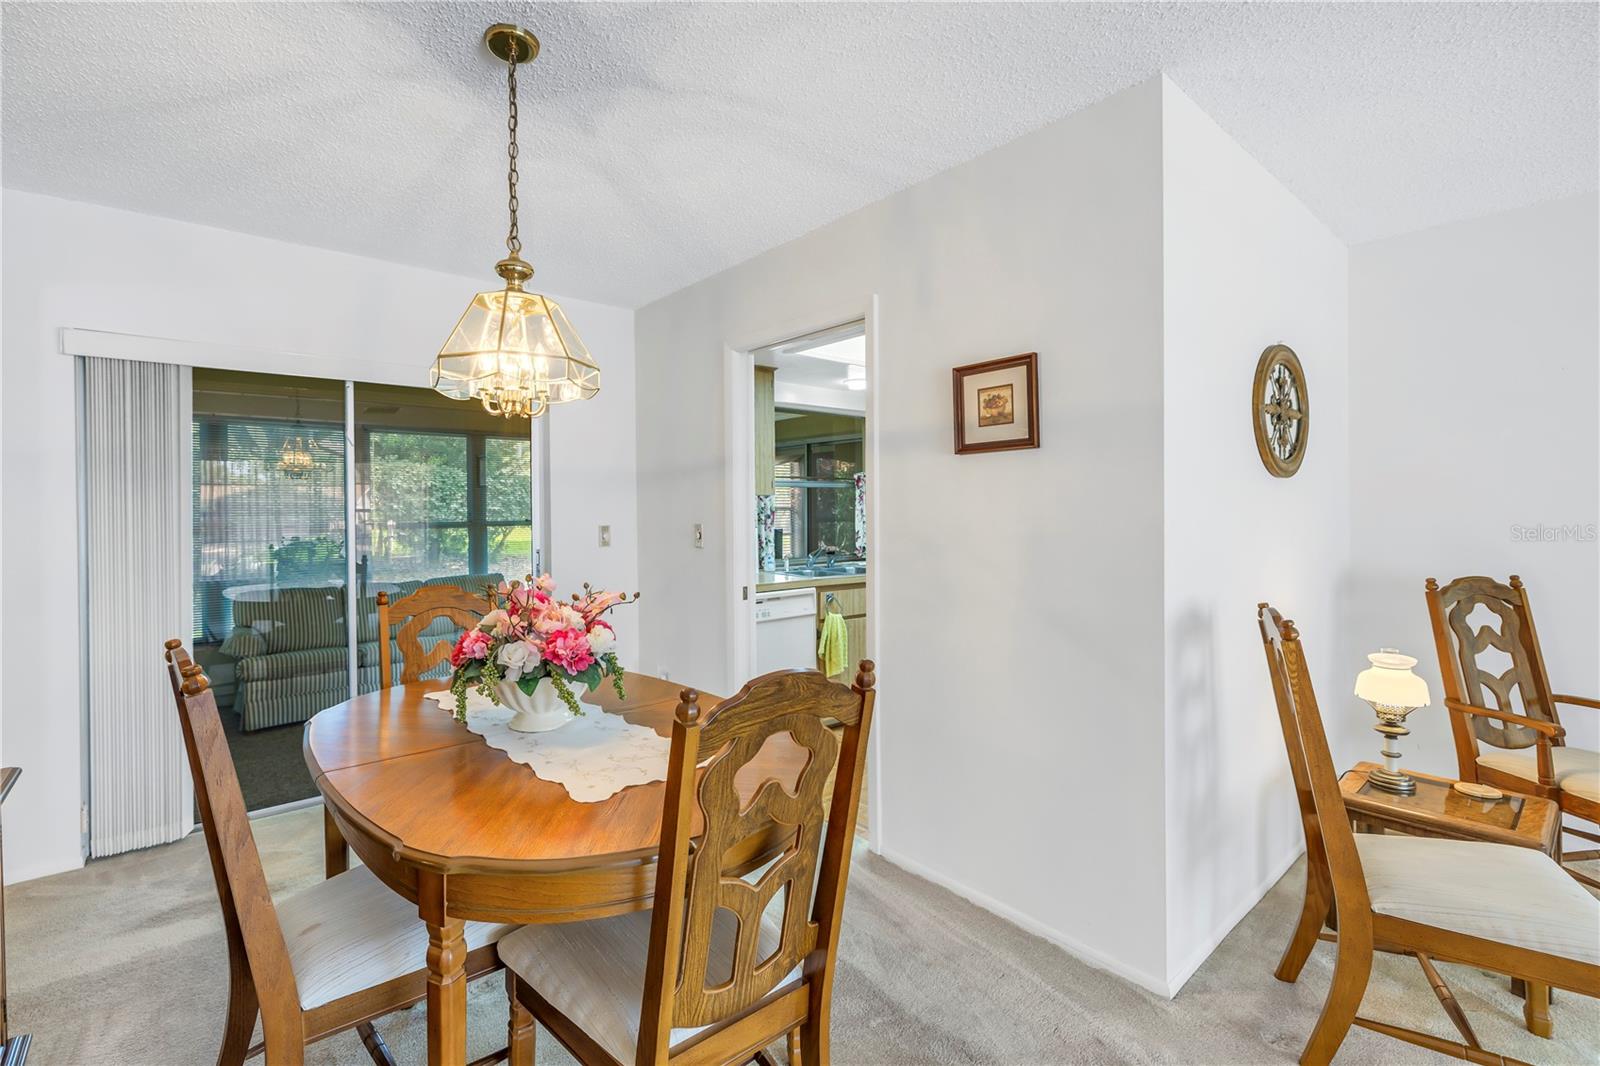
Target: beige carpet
123,963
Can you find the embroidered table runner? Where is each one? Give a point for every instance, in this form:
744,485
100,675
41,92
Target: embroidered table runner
594,756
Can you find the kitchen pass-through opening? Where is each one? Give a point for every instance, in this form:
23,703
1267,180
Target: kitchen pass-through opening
810,508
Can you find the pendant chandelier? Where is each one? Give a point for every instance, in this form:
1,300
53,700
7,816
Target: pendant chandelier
514,351
294,459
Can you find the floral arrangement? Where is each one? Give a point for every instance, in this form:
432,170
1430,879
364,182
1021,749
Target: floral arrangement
532,636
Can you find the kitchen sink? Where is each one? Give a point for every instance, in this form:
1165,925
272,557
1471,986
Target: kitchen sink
836,570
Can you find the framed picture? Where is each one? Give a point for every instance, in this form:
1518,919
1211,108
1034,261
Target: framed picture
997,404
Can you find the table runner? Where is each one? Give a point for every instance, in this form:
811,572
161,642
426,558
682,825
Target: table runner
593,757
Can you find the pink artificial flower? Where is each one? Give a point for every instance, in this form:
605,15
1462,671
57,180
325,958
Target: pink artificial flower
474,644
554,617
569,649
598,604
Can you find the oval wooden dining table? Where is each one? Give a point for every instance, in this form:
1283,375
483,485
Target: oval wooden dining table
465,833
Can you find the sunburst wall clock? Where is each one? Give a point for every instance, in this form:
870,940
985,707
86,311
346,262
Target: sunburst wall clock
1280,407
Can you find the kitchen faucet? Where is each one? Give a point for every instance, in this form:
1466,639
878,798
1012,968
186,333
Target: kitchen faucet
827,549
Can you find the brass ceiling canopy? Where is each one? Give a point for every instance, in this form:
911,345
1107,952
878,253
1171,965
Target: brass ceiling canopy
514,351
502,37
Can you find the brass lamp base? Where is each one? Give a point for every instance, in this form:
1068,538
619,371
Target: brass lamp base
1391,727
502,37
1396,781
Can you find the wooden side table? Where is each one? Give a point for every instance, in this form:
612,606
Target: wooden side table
1438,810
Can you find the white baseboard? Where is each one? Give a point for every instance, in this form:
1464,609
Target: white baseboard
17,873
1074,948
1180,977
285,808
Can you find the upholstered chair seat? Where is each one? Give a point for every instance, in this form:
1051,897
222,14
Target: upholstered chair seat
352,932
594,972
1497,892
1577,771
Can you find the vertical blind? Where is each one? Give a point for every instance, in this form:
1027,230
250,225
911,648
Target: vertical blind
136,442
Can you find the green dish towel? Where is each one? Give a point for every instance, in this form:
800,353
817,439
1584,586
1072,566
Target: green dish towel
833,649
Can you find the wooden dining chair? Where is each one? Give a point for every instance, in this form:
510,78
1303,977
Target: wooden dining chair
1517,748
1494,906
331,957
729,960
420,610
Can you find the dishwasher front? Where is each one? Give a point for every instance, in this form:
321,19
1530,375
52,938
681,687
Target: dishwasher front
786,630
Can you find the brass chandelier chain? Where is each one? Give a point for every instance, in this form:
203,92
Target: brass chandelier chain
513,350
513,238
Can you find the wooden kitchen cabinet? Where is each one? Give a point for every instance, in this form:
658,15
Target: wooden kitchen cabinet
851,601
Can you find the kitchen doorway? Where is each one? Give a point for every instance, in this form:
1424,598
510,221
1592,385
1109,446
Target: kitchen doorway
802,559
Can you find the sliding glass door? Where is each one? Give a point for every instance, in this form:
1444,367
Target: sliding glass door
443,492
444,495
269,553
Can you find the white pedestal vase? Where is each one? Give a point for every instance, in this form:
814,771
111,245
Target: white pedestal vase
538,713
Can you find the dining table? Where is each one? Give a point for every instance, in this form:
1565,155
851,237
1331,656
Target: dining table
465,833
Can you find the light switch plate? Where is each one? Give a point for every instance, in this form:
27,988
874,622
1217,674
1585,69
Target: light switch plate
699,535
605,536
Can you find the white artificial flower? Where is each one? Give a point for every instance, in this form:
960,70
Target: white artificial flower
601,639
518,657
494,622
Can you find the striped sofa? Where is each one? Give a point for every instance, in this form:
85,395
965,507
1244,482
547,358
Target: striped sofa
291,655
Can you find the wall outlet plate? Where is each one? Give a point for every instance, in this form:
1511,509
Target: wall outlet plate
605,536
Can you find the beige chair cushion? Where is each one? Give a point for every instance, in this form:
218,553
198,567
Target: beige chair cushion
353,932
1577,771
593,972
1498,892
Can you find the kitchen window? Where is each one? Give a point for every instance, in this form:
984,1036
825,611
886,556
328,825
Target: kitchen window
814,497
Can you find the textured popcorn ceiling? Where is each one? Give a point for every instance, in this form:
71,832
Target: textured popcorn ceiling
664,142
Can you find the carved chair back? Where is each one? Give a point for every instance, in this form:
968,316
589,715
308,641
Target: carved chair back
687,983
257,950
1468,675
1330,842
419,611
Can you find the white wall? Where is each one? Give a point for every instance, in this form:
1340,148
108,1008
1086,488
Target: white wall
74,265
1017,592
1474,376
1246,266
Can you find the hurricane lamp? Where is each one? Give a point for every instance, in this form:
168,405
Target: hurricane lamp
1393,692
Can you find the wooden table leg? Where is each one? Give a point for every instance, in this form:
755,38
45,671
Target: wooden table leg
1536,1010
447,975
335,853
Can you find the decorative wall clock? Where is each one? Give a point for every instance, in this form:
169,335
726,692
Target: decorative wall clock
1281,410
